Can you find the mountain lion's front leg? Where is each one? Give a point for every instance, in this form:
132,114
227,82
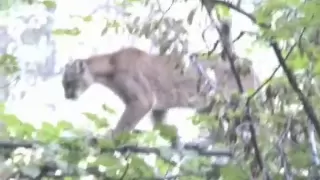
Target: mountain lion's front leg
136,93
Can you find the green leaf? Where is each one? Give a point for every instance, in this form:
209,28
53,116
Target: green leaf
48,133
250,92
8,64
24,131
106,143
99,122
10,120
91,116
298,62
223,11
141,169
87,18
316,69
64,125
70,32
108,109
75,153
294,2
231,172
15,127
168,132
28,130
7,58
49,4
191,16
149,138
205,120
262,15
108,160
124,138
48,126
162,166
299,159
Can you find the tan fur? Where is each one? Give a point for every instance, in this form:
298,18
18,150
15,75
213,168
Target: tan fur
143,81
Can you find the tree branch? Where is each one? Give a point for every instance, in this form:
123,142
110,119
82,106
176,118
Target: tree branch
305,102
270,77
224,32
241,11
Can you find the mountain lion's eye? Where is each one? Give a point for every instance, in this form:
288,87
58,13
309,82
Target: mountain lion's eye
67,84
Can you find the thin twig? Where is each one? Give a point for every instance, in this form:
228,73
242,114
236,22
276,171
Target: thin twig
270,77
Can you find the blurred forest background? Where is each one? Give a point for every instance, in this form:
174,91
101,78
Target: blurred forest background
272,133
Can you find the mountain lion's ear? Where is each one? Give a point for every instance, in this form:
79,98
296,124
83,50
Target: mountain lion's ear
80,66
68,65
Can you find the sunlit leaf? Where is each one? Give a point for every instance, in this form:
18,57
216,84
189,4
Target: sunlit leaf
108,109
224,11
162,166
106,143
231,172
150,137
49,4
294,2
298,62
168,132
91,116
250,92
108,160
99,122
70,32
141,169
124,138
48,133
8,64
87,18
10,120
7,58
75,154
64,125
28,129
299,159
316,69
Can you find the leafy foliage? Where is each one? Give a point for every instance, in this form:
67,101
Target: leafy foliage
70,32
9,64
274,131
